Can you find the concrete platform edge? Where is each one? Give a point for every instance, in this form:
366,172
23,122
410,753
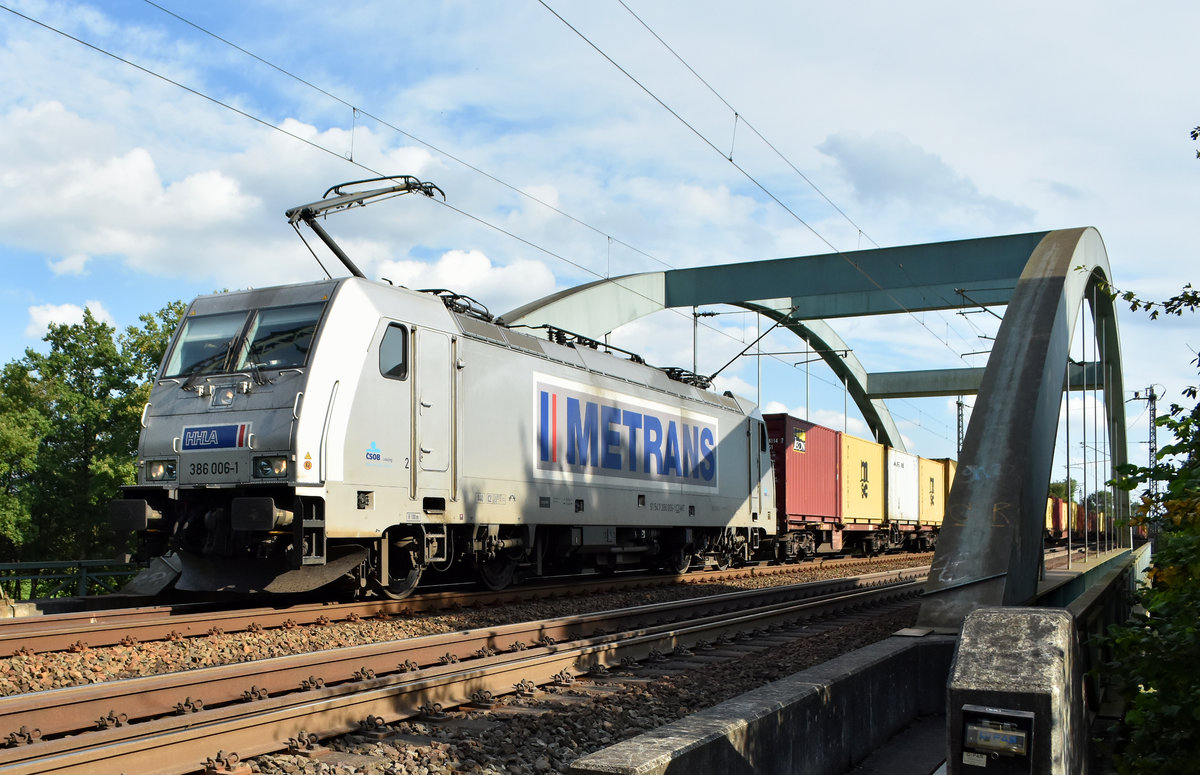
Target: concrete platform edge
820,721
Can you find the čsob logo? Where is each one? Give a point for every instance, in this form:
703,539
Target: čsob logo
373,453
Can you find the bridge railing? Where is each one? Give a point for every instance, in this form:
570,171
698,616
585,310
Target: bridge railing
23,581
1106,601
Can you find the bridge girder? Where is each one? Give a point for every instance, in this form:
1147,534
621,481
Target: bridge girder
990,546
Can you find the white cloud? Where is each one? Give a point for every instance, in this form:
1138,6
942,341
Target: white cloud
98,197
472,273
74,264
837,420
105,166
43,315
887,169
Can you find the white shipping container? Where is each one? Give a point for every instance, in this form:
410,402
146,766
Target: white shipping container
903,492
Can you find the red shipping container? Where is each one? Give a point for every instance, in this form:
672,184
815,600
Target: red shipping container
806,458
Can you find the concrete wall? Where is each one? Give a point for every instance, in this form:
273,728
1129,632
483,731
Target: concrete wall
819,722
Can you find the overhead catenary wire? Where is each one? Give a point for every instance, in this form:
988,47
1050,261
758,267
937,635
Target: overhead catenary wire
356,111
610,239
744,172
738,117
245,114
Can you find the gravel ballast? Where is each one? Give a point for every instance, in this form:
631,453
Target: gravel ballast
547,743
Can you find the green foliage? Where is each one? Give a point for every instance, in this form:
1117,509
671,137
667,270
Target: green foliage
1156,655
1185,301
1065,489
69,420
1100,500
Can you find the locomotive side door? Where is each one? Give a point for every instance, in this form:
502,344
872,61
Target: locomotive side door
433,407
757,448
378,433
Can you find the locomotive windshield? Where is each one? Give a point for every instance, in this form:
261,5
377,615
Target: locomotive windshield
271,338
280,338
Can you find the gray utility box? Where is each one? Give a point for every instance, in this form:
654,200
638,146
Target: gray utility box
1016,695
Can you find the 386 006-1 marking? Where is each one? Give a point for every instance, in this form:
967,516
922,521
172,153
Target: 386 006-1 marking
213,468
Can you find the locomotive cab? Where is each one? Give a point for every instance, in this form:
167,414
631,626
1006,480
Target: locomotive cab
217,462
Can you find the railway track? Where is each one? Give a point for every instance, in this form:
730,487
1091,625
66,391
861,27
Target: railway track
177,722
81,629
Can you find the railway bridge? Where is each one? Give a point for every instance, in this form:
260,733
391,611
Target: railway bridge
990,549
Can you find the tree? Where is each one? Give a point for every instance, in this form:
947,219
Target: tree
1100,500
1156,655
1064,490
69,421
22,427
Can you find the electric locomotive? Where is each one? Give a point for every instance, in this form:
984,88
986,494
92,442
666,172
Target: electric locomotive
348,430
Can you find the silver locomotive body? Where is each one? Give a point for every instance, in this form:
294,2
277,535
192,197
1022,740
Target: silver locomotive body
350,429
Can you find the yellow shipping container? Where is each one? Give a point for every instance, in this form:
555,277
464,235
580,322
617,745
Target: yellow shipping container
862,471
951,470
932,482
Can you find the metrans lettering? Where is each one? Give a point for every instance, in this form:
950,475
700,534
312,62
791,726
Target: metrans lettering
580,432
201,437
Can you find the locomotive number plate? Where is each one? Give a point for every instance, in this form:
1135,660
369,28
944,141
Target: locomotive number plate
210,470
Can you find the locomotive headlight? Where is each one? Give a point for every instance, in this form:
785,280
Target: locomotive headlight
270,467
160,470
223,396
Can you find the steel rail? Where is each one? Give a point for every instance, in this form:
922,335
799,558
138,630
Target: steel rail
79,708
73,630
336,709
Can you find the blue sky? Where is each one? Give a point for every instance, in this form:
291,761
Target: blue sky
921,121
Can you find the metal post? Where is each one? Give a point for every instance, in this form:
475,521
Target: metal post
695,333
807,371
960,424
845,406
1095,419
1083,420
758,354
1070,491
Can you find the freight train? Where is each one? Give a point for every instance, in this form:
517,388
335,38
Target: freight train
1067,520
352,431
836,492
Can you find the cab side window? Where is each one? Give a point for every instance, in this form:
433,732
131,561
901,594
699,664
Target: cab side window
393,352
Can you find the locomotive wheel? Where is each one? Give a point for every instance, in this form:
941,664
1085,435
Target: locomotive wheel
498,572
679,561
724,560
402,586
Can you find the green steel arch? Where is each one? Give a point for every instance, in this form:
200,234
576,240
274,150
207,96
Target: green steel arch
990,546
597,308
